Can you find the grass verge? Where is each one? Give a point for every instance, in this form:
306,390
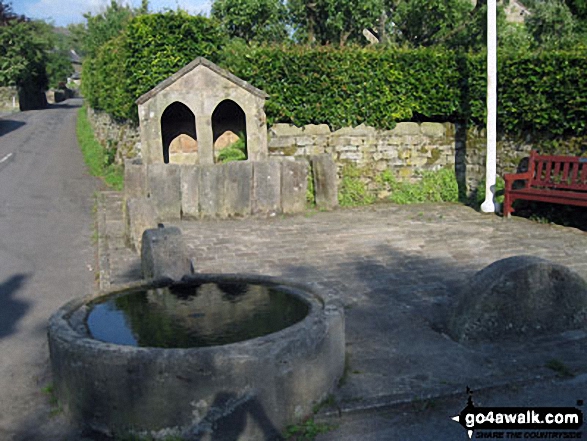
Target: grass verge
95,155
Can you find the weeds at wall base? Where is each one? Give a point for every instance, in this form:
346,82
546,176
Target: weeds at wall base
434,186
95,156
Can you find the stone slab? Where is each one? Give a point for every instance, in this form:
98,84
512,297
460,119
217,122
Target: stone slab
141,215
238,182
164,185
190,191
211,190
135,179
294,185
325,182
266,187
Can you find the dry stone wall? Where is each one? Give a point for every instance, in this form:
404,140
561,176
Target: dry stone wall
407,150
124,137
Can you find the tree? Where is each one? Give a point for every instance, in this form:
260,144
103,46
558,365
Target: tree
102,27
333,21
551,24
252,20
7,15
23,50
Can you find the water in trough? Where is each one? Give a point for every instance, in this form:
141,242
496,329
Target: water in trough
198,315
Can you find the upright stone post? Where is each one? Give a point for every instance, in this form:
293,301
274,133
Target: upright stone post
294,185
163,254
325,182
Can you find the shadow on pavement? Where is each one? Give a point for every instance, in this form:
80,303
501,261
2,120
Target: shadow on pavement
11,310
9,125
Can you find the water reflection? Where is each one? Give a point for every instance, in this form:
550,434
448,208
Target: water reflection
208,314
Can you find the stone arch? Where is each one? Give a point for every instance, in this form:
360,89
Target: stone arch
178,133
229,122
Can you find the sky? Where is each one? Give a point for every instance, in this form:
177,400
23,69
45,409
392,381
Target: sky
64,12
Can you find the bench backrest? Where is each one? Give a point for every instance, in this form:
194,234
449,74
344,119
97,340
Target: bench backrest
560,172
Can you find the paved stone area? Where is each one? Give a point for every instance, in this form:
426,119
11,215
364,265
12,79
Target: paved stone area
397,270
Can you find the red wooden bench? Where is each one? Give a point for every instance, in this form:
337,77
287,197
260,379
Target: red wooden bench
554,179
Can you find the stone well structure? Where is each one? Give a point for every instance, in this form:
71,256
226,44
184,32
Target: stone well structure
190,116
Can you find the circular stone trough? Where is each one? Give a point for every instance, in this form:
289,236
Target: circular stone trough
222,389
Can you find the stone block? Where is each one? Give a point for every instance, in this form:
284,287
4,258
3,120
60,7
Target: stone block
190,191
347,148
316,129
285,130
281,141
294,185
406,128
164,185
325,182
304,140
266,187
211,189
351,156
520,298
238,181
433,130
163,254
135,179
141,215
360,130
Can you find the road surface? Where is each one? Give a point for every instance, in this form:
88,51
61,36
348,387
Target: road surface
46,258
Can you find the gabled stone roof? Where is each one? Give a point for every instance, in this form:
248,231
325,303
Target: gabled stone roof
200,61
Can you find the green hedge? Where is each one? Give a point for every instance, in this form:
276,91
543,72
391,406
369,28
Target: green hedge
151,48
537,92
349,86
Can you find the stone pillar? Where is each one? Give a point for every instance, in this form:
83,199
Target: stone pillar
205,138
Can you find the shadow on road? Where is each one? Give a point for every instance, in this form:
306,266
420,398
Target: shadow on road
9,125
11,310
66,104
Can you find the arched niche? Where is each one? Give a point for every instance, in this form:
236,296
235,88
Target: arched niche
229,122
178,132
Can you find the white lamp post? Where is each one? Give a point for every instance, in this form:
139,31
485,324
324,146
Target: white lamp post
489,205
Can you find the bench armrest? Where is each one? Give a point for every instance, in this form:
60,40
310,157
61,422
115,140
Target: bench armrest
510,178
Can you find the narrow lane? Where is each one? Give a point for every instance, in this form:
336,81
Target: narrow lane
46,257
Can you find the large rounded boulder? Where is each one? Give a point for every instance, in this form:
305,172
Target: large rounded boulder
519,298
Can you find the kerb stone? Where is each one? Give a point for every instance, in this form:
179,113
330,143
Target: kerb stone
294,184
141,215
165,190
238,180
190,191
163,254
266,187
325,182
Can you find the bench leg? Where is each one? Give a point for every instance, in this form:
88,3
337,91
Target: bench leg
507,206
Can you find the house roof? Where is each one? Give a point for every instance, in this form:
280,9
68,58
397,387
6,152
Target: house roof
200,61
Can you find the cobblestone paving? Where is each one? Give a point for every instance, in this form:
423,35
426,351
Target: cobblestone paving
397,270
